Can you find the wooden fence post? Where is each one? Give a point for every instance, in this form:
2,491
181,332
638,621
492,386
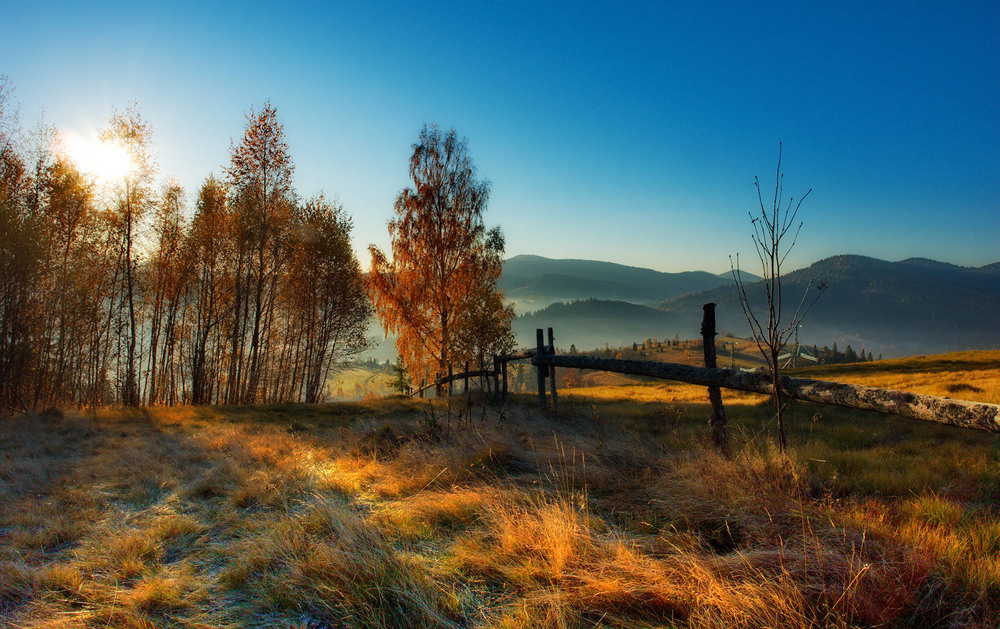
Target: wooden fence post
552,372
503,392
496,377
718,418
540,347
468,391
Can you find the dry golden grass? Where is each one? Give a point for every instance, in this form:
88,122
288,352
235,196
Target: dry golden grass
658,393
355,382
612,512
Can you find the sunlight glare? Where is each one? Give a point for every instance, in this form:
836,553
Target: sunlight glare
106,162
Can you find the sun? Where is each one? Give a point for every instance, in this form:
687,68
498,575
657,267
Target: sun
107,162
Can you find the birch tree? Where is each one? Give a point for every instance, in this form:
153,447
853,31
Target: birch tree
260,177
20,264
205,251
132,198
327,298
445,263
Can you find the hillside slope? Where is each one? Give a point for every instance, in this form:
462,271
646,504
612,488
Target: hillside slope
533,282
592,323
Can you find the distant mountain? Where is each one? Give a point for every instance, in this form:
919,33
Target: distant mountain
533,282
891,308
895,308
993,269
592,323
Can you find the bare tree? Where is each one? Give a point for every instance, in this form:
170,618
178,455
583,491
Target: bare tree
772,228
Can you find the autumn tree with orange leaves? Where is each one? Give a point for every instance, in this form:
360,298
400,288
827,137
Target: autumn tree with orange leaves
438,294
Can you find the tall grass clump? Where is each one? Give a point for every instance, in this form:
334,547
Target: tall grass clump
325,563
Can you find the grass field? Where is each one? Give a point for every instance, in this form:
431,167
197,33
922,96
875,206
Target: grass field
356,382
612,512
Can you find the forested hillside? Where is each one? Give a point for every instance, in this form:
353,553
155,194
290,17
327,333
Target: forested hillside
593,323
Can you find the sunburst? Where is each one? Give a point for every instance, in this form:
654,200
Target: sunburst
106,161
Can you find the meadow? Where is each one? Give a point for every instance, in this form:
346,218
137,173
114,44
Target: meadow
613,511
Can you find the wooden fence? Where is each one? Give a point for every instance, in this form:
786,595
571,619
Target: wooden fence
976,415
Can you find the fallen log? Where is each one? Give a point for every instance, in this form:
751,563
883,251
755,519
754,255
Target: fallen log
977,415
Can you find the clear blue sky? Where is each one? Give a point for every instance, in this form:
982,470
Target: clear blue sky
628,132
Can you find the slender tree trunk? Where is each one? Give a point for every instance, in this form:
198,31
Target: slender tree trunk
131,397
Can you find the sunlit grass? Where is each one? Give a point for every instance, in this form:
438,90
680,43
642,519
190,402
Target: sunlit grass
973,375
674,392
612,512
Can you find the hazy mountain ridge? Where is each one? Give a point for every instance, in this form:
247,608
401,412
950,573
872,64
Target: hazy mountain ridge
533,282
990,268
910,306
893,308
592,323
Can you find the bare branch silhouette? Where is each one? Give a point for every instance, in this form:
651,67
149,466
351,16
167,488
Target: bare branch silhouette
770,233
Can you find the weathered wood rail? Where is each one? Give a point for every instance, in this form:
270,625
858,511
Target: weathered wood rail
961,413
978,415
480,373
499,369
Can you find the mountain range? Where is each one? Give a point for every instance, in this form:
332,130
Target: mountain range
534,282
889,308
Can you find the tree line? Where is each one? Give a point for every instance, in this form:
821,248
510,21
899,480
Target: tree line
121,294
834,356
114,295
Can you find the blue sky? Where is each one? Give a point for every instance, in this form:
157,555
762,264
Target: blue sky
628,132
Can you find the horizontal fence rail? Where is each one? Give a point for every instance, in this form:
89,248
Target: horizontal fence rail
454,378
978,415
499,368
520,354
961,413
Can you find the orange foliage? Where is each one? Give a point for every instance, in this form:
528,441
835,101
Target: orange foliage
439,292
